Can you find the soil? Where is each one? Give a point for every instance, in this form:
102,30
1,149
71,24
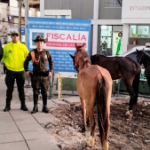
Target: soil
124,134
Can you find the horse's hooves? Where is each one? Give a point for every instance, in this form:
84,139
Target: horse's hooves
130,114
91,141
105,146
83,129
127,108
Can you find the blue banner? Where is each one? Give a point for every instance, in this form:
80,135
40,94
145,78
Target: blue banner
62,34
22,30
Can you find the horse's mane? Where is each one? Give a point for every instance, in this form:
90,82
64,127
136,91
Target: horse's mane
86,57
146,54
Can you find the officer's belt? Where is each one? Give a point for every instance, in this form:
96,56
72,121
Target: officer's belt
44,74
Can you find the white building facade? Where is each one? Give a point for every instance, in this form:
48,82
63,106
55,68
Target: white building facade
113,21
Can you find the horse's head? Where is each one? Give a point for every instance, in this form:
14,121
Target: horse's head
139,56
81,56
73,58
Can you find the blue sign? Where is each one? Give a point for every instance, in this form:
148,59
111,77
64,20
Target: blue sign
62,34
22,30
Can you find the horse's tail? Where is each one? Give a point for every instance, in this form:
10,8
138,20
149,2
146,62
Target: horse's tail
136,81
103,117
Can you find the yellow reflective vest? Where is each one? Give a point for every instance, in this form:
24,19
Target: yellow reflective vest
14,55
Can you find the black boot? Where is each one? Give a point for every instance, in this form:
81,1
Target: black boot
35,108
23,106
45,109
7,107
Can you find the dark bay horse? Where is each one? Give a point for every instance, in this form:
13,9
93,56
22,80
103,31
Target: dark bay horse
144,58
94,86
125,68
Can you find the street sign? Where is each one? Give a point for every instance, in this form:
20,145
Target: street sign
62,34
22,30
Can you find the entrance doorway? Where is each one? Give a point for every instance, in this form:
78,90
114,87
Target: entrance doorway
110,39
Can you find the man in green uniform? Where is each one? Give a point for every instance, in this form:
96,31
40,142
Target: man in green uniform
14,55
41,74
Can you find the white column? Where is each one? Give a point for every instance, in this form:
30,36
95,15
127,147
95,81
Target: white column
19,19
42,2
95,27
26,15
125,38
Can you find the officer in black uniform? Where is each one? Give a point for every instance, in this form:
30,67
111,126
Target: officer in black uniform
41,74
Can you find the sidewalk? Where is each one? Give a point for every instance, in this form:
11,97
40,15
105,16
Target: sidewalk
21,130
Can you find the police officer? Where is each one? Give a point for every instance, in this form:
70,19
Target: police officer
41,74
14,54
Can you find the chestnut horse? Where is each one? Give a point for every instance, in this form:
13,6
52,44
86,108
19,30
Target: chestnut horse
94,86
121,67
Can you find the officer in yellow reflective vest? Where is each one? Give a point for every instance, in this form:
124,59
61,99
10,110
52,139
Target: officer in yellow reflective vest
14,55
41,74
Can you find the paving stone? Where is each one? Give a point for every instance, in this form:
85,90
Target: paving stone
7,121
44,144
46,119
30,127
72,99
25,121
17,106
60,102
22,116
8,129
35,135
18,112
14,146
50,104
2,113
5,118
12,137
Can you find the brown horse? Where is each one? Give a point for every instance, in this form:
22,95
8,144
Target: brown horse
121,67
94,86
125,68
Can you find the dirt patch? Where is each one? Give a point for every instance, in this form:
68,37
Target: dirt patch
124,134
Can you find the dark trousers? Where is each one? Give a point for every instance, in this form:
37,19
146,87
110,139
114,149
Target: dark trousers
4,68
11,76
40,82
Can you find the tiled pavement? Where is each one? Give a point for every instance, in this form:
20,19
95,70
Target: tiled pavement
20,130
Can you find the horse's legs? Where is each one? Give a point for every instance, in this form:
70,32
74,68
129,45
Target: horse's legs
132,97
87,121
83,113
90,112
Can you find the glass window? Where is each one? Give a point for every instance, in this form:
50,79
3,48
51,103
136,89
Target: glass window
106,30
112,3
143,31
139,31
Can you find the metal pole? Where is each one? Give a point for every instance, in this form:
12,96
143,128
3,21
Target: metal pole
26,15
19,21
58,86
